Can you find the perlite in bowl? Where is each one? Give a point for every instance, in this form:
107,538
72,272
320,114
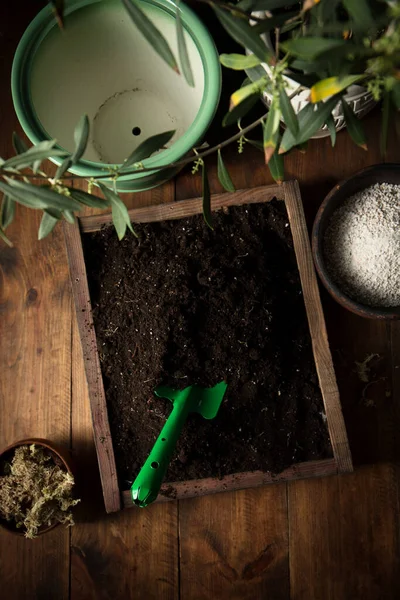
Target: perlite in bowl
362,246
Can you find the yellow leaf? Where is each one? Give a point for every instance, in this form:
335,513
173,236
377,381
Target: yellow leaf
331,86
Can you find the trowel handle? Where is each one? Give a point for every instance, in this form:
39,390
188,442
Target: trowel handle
147,484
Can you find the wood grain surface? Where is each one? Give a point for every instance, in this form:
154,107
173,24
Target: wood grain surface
329,539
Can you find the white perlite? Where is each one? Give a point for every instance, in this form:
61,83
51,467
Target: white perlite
362,246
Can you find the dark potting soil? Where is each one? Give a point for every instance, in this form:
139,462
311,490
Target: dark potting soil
187,305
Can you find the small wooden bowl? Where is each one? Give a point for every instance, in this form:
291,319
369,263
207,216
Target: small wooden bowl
384,173
60,454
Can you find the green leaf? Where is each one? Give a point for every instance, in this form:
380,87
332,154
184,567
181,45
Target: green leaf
58,9
5,238
182,48
256,144
277,167
310,47
19,145
386,106
268,24
396,95
252,5
69,216
245,91
354,127
239,62
223,175
35,196
47,225
330,123
151,33
240,110
120,213
207,216
81,137
310,118
242,32
360,12
147,148
289,116
88,199
271,131
7,212
34,154
331,86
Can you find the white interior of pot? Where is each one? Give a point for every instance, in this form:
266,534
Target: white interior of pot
102,65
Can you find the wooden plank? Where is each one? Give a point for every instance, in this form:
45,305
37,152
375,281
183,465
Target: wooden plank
320,347
101,427
35,371
181,490
347,541
235,545
316,320
186,208
130,554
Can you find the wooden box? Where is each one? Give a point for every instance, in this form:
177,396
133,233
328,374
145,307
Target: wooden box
289,193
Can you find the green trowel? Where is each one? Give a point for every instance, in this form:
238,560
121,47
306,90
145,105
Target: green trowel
206,402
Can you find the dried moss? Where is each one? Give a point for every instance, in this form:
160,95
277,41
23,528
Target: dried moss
35,491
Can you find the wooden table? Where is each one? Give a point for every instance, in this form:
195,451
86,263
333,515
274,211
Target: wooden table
334,538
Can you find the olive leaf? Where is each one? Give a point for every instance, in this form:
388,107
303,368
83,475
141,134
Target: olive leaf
182,48
271,130
289,116
81,137
330,123
151,33
360,12
276,167
310,47
19,145
35,196
240,110
239,62
310,118
270,23
88,199
47,225
147,148
331,86
242,32
223,174
245,91
120,213
5,238
37,153
396,95
69,216
354,127
253,5
7,212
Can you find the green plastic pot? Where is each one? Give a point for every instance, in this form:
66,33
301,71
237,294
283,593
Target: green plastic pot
102,66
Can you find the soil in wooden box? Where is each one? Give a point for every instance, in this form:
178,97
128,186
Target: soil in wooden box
184,305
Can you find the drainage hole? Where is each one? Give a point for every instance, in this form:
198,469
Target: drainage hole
136,131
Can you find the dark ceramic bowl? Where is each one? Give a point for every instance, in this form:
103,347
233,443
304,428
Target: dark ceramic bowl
60,456
385,173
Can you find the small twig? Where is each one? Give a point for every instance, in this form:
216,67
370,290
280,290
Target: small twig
180,163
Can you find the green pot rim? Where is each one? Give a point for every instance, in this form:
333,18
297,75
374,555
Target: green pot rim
39,29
